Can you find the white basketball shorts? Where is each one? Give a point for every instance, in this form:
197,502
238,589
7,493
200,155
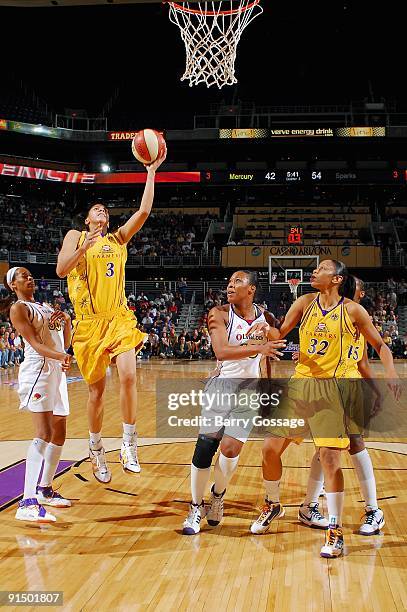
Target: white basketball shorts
42,387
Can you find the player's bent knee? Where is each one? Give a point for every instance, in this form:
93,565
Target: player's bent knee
230,447
357,445
205,450
127,380
330,459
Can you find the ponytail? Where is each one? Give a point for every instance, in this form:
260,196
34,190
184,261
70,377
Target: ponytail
347,287
7,302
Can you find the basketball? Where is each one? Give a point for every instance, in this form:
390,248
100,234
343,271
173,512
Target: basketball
147,145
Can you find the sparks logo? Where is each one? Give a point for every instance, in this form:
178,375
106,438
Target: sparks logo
334,317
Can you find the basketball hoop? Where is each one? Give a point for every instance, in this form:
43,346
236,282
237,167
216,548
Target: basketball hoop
293,284
211,32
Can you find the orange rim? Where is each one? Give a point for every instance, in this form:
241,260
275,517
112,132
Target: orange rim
236,11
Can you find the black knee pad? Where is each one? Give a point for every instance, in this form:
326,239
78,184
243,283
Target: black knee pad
205,450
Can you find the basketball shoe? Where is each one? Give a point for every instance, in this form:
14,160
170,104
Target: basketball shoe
374,521
192,524
48,497
269,512
333,546
214,514
311,516
129,459
99,466
30,510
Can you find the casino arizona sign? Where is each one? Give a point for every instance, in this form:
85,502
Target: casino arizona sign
301,250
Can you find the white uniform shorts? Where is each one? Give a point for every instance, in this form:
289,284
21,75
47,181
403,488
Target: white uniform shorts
42,387
227,409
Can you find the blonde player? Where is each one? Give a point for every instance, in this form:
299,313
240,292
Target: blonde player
42,390
329,324
105,328
358,367
230,329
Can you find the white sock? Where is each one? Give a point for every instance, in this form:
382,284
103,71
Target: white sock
335,507
129,432
51,459
224,470
315,481
199,482
272,490
95,440
364,471
35,456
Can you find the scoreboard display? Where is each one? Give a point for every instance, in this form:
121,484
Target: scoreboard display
287,177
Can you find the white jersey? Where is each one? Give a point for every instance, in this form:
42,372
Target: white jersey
237,329
51,335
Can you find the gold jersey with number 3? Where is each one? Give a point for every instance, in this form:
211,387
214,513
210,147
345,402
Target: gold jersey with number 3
330,345
104,326
96,285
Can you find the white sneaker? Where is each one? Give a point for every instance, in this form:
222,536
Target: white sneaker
30,510
48,497
311,516
333,546
270,511
192,524
214,513
99,466
374,521
129,459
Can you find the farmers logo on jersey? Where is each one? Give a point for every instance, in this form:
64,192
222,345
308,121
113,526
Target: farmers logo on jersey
107,248
321,327
334,317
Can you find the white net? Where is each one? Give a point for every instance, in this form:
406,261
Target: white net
211,32
293,284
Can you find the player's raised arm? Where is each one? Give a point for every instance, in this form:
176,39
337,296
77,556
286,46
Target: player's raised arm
136,221
294,314
70,254
224,351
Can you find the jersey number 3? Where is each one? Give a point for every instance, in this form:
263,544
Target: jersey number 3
323,345
110,269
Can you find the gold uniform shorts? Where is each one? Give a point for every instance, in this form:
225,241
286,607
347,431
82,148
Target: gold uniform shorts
319,401
98,338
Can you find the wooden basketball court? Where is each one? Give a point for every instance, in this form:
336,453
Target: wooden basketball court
120,546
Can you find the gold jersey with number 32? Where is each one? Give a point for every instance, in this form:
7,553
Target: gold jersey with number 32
96,285
330,345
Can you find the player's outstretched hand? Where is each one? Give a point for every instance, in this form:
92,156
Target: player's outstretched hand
59,315
66,363
270,349
295,356
151,168
259,329
395,388
92,237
